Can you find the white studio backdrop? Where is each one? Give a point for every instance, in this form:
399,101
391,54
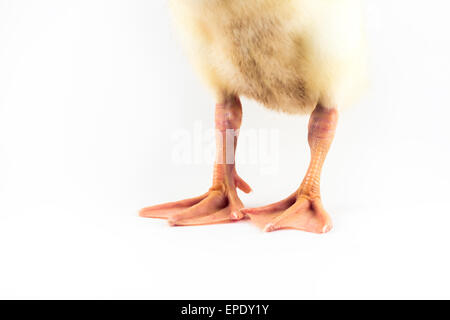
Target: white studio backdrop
94,96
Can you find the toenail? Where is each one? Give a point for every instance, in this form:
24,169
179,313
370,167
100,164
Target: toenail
270,227
235,215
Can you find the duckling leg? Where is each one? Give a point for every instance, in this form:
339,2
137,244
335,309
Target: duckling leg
221,203
303,209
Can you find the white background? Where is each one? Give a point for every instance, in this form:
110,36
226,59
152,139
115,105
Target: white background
91,92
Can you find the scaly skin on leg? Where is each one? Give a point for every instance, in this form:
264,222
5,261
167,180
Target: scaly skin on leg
303,210
221,203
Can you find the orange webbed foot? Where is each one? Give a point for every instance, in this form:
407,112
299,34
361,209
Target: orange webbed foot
295,212
220,204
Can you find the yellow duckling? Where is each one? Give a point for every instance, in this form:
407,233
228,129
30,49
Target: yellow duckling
295,56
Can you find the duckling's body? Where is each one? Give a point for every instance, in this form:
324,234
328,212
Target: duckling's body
296,56
289,55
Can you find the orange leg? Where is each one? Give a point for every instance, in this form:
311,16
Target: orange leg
221,203
303,209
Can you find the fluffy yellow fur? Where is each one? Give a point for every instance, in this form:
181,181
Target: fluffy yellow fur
289,55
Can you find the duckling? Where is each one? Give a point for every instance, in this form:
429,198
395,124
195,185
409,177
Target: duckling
296,56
